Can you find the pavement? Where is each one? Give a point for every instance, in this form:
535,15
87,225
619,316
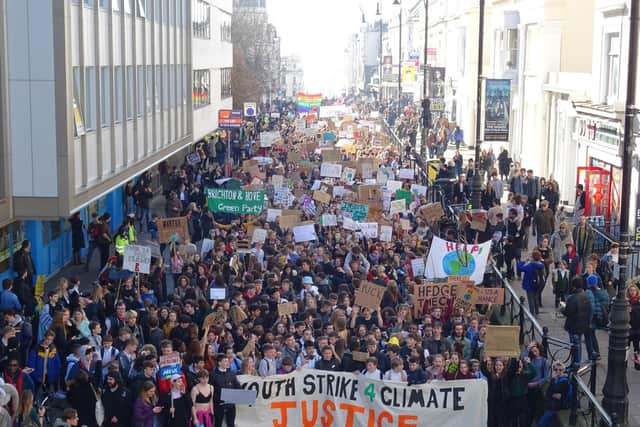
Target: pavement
548,316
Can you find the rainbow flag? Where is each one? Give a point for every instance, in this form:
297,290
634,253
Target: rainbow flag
307,103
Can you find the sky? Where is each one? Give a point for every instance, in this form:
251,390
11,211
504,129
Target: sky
318,31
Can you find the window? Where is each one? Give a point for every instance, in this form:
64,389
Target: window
201,20
511,49
118,91
201,85
140,11
140,108
115,5
612,66
165,87
172,79
104,4
149,88
90,3
90,98
165,11
225,83
76,84
129,6
158,86
157,10
105,96
225,32
78,111
130,91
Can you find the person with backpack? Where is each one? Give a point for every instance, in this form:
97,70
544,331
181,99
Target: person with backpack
577,311
599,301
532,280
93,231
557,397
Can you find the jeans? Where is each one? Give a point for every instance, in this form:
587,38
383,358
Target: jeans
144,216
549,419
576,339
532,298
591,342
224,412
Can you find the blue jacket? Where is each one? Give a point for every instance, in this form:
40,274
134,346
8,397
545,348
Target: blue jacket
529,269
36,361
598,298
9,300
419,376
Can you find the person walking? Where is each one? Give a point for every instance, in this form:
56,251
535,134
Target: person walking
77,237
583,237
104,238
532,280
577,311
543,222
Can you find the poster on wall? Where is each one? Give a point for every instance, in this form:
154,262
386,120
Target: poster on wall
497,109
436,91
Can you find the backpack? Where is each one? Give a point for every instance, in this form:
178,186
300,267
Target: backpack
538,279
603,320
94,230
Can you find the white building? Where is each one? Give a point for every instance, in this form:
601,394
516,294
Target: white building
292,76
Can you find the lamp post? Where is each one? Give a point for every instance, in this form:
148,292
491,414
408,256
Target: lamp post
426,110
616,388
379,15
477,179
397,3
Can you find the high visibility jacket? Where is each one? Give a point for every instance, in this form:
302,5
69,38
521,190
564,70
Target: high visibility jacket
121,243
132,233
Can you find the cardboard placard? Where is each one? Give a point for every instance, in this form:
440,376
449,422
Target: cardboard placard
405,224
332,170
304,233
137,259
331,155
360,356
432,212
437,293
288,221
502,341
369,193
386,233
273,214
329,220
173,229
259,235
398,206
369,295
287,308
473,295
478,224
417,267
322,197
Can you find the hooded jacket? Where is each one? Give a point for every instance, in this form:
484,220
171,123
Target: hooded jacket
117,403
37,360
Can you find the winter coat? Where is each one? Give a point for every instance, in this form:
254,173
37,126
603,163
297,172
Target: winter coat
530,269
598,298
558,242
37,360
117,404
634,320
577,312
560,281
142,414
583,237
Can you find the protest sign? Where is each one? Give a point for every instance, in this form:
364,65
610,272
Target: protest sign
356,211
277,180
386,233
383,175
450,259
420,190
207,245
438,294
338,190
405,224
348,174
267,139
282,196
472,294
360,356
217,293
322,197
235,201
332,170
287,308
304,233
478,224
288,221
369,229
405,173
331,155
340,399
173,229
417,267
398,206
369,295
273,214
170,365
369,193
393,185
329,220
137,259
349,224
259,235
404,194
502,341
193,158
432,212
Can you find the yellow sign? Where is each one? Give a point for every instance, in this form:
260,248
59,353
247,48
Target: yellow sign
39,290
409,73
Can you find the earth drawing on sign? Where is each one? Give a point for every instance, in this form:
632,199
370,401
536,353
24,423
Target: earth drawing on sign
458,263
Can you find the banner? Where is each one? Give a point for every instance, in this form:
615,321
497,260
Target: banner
436,91
339,399
307,103
235,201
455,259
497,109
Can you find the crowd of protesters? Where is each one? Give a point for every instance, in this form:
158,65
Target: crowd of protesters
100,348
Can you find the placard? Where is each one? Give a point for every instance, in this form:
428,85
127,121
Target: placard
304,233
273,214
173,229
386,233
439,294
349,175
406,195
331,155
417,267
405,173
288,221
405,224
393,185
169,365
332,170
207,245
432,212
478,224
322,197
216,293
277,180
356,211
420,190
259,235
473,295
398,206
329,220
137,259
369,229
349,224
369,295
287,308
360,356
502,341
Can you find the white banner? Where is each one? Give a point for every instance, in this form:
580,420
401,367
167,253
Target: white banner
369,229
137,259
304,233
386,233
331,170
339,399
405,173
456,259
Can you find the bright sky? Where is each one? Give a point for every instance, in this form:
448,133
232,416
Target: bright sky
318,31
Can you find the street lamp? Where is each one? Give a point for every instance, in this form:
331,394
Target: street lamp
379,14
616,388
397,3
476,194
426,109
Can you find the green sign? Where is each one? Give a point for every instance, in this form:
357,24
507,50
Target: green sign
358,211
404,194
235,201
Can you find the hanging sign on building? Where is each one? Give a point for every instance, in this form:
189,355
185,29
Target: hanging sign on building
497,109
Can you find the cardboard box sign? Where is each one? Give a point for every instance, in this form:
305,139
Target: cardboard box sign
322,197
369,193
431,212
360,356
287,308
173,229
502,341
369,295
331,155
437,293
288,221
473,295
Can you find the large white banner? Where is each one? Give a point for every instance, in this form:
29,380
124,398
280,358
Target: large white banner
339,399
457,259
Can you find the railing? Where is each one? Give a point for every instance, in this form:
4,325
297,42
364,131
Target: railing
585,403
602,244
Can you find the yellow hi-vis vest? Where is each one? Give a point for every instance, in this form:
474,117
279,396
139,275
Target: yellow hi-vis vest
121,243
132,233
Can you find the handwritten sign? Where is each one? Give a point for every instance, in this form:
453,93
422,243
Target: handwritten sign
398,206
331,170
356,211
169,365
472,294
273,214
322,197
417,266
386,233
287,308
405,173
369,229
259,235
329,220
432,212
502,341
369,295
304,233
173,229
137,259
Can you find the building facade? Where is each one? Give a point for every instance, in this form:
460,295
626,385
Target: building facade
292,76
98,92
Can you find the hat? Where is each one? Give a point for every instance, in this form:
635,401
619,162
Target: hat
394,340
176,377
307,280
592,280
580,187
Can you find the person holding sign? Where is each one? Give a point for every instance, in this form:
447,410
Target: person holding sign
223,378
176,405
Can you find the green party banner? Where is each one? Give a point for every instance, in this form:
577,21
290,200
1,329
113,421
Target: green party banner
235,201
